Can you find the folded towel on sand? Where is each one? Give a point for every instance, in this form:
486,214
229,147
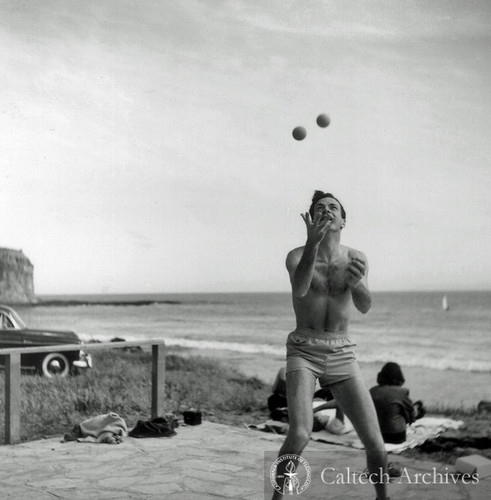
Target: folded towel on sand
108,428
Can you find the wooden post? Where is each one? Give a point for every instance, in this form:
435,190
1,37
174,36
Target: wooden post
158,380
12,398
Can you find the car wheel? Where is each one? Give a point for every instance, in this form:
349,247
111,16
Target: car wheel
55,364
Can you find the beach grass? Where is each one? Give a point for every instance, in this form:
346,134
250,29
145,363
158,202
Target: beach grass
120,382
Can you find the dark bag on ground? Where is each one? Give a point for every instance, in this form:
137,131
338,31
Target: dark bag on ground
192,417
157,427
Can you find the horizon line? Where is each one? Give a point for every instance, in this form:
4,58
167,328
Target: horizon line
443,291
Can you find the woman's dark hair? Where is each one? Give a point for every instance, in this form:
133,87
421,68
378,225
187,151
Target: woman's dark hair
318,195
391,374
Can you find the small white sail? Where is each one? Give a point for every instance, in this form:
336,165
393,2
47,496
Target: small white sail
445,305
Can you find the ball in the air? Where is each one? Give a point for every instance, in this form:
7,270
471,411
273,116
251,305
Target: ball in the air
299,133
323,121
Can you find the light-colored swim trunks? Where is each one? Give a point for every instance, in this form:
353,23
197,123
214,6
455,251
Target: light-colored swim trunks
327,356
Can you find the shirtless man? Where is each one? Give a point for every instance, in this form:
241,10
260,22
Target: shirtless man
326,279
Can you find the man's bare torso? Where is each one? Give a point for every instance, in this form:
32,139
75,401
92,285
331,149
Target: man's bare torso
327,305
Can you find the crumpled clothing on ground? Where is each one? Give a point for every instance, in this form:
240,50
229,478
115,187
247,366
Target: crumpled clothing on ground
109,428
157,427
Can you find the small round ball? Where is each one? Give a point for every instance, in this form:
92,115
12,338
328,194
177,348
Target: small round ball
299,133
323,121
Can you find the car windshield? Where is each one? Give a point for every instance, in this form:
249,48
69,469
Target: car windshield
18,320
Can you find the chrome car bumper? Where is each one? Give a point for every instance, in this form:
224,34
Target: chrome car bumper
85,361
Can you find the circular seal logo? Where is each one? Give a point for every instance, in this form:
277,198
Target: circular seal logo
290,474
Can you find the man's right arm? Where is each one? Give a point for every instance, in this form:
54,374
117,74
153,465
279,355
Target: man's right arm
302,269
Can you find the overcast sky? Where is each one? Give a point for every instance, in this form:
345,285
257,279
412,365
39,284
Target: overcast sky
146,145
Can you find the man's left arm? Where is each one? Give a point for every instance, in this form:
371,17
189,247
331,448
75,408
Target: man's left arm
358,283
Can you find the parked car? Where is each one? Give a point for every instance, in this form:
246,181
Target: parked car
14,333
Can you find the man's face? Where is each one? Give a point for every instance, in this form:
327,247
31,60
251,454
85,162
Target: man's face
329,210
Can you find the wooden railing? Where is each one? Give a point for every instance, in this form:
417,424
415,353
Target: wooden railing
13,374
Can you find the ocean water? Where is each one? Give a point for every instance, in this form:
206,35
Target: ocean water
410,328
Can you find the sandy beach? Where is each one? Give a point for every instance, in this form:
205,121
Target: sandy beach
440,388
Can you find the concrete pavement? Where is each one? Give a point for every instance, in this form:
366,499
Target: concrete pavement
204,462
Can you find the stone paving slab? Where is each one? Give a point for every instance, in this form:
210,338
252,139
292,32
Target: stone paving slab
205,462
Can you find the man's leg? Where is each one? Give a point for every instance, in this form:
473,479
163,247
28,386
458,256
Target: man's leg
300,387
356,402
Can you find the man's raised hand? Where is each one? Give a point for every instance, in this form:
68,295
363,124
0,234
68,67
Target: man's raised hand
316,229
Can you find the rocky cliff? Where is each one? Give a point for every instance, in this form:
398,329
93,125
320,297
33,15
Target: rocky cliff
16,277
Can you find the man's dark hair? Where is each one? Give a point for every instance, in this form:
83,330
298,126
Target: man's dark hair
318,195
391,374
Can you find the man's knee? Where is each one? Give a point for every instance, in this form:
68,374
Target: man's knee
300,436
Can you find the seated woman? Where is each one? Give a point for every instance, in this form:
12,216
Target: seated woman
395,410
